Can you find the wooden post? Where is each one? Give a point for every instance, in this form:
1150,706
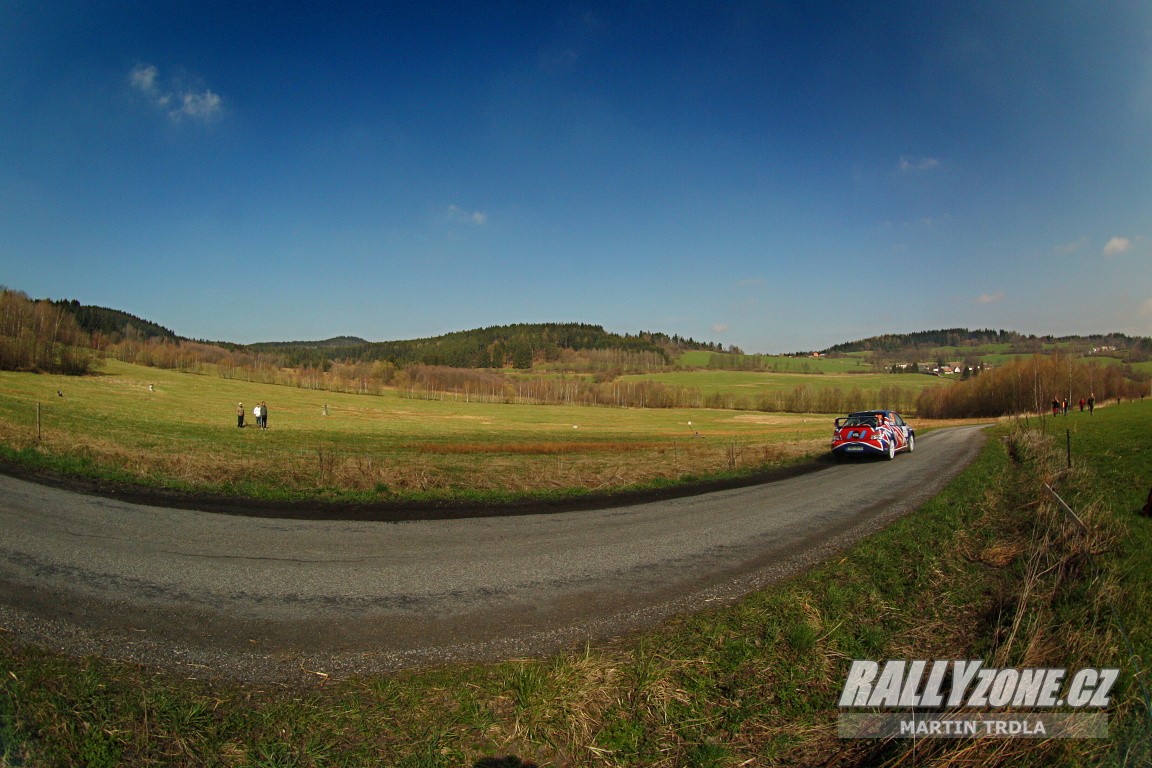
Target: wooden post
37,421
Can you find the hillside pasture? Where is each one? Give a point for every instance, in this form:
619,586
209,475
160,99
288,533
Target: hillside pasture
775,363
1144,366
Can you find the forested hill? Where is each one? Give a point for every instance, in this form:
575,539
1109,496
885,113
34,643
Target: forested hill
523,345
963,337
518,345
336,342
112,322
494,347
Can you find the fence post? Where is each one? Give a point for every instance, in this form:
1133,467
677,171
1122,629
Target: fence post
37,421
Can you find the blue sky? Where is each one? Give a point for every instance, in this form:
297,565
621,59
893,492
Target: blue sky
781,176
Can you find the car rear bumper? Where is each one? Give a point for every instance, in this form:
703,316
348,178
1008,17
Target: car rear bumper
859,449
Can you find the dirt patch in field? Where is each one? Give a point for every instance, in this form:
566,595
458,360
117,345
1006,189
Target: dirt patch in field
538,447
774,419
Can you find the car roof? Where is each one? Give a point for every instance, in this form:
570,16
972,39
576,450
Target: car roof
870,413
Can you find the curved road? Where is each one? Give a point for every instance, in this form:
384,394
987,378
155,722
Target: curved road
260,598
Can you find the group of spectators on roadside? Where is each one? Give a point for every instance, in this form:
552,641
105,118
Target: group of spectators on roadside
1061,406
260,411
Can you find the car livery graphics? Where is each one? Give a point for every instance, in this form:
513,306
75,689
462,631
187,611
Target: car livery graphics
872,433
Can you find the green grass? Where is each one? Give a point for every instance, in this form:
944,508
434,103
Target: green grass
753,683
1113,443
756,384
780,363
695,358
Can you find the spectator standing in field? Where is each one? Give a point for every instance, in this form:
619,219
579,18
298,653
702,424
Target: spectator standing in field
1064,405
1055,407
1091,404
263,415
1081,405
240,415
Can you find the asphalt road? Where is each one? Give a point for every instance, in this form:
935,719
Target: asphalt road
261,598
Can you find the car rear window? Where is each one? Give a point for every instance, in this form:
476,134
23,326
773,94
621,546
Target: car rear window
859,421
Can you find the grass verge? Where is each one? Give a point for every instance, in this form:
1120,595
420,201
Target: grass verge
990,569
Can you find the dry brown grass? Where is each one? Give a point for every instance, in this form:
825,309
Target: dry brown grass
525,467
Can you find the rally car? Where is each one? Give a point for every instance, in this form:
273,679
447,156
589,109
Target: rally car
872,433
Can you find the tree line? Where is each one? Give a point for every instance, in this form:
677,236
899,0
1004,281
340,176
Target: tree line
40,336
598,382
1029,386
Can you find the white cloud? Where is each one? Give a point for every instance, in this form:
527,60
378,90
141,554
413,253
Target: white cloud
918,164
204,106
144,79
477,218
990,298
1146,308
1117,246
719,327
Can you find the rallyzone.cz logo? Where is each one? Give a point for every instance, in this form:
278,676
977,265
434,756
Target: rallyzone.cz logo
957,685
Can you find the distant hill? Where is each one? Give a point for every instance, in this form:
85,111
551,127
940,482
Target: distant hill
493,347
962,340
522,344
497,346
335,341
947,337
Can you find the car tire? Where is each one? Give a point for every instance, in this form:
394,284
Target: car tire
911,443
891,454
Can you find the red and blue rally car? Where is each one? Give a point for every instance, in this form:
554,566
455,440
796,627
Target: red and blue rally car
872,433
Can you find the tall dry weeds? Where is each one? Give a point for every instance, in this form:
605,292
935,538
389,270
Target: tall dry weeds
1051,607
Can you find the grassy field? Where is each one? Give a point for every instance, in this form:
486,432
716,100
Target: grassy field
990,569
1113,445
1144,367
756,384
182,433
783,363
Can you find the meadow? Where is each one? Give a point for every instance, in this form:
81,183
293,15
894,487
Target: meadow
852,363
755,384
178,430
